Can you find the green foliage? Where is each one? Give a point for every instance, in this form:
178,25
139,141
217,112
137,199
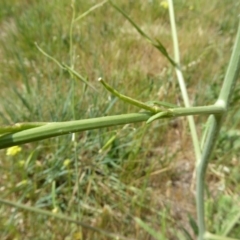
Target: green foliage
134,176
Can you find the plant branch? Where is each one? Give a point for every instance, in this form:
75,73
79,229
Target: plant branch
90,10
129,100
17,127
181,82
60,128
214,123
156,43
70,70
39,131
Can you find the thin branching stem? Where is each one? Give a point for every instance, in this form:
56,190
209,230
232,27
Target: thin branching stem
214,123
71,52
182,82
90,10
53,129
17,127
155,42
129,100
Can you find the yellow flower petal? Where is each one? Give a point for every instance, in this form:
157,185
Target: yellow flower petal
66,162
12,151
55,210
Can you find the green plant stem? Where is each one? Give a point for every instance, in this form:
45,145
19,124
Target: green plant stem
61,217
60,128
90,10
78,76
202,110
20,127
156,43
71,54
210,236
214,127
129,100
70,70
48,56
231,74
48,130
181,82
213,130
179,112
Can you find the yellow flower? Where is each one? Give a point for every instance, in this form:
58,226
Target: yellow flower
164,4
12,151
55,210
66,162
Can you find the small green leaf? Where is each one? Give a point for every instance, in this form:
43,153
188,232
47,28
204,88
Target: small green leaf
186,234
193,224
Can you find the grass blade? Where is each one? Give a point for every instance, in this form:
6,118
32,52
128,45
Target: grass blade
65,67
79,76
157,44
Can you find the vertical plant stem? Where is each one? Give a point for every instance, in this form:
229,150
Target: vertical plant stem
71,56
214,127
90,10
70,35
182,83
213,130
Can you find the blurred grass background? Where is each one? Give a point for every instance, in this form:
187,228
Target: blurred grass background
147,171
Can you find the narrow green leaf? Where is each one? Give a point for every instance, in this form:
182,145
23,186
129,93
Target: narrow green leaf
163,50
129,100
48,56
23,100
193,224
65,67
157,44
186,234
79,76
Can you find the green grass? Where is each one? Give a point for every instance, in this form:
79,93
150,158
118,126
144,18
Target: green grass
146,171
